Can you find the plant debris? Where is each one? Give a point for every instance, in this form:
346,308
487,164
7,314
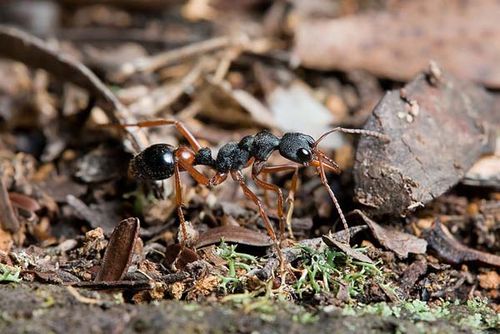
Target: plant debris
23,47
447,247
398,242
401,41
427,154
85,243
234,234
119,251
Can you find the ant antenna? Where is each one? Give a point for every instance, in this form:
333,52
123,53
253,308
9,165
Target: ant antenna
322,175
375,134
321,167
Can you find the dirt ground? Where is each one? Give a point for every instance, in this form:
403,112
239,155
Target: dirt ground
51,309
366,134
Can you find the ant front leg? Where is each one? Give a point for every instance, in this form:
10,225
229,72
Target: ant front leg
181,128
259,168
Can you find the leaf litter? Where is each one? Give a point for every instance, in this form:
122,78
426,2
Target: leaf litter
71,187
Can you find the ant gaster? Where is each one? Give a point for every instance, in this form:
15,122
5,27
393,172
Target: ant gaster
162,161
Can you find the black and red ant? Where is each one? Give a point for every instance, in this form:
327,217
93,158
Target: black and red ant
162,161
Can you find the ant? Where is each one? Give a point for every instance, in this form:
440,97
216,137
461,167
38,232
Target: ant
162,161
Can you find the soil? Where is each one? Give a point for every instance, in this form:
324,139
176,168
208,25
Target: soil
389,224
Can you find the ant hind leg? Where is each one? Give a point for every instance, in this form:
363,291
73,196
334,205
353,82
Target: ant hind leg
181,128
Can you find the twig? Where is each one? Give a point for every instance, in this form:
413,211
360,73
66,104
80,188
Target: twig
82,299
152,63
448,248
162,97
116,285
25,48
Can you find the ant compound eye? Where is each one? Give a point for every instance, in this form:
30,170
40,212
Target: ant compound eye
304,155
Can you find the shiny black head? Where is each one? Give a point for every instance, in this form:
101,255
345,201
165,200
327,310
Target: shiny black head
154,163
297,147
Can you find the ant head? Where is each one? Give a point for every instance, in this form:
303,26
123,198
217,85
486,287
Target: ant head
297,147
302,149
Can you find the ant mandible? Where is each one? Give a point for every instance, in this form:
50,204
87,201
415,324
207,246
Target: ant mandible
162,161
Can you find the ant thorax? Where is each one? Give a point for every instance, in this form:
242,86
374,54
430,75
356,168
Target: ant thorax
236,155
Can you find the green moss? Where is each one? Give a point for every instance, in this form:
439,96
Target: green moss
9,274
474,313
328,269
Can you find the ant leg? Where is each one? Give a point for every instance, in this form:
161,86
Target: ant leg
178,125
217,179
267,201
238,177
259,168
269,186
185,157
178,201
291,192
322,176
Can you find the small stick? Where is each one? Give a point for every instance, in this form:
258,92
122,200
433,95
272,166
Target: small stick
152,63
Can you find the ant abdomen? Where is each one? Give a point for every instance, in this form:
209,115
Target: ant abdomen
154,163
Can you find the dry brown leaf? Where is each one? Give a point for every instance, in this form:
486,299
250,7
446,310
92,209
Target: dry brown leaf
178,257
331,241
399,242
236,234
400,42
448,248
119,251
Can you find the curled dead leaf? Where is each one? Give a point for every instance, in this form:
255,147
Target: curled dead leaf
119,252
179,257
399,242
332,241
236,234
448,248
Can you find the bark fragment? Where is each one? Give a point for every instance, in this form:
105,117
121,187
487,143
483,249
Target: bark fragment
438,126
